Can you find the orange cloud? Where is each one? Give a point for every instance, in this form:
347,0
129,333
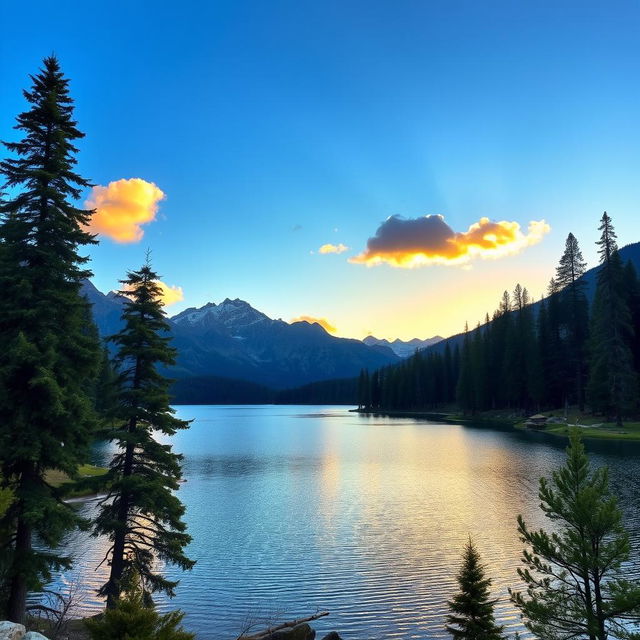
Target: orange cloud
333,248
415,242
122,207
323,322
170,294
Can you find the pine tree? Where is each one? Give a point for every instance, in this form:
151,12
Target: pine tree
576,319
631,287
133,619
142,515
552,349
48,351
471,616
575,581
612,388
465,393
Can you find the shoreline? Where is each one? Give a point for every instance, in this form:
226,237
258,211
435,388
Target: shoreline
599,431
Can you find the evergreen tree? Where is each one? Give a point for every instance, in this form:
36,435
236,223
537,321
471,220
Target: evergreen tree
142,515
48,351
471,616
631,288
105,391
575,581
465,393
133,619
552,349
576,316
521,360
612,386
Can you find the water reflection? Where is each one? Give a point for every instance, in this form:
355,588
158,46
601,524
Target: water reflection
293,508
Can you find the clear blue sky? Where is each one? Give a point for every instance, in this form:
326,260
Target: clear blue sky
276,127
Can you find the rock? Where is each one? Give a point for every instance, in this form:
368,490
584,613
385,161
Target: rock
333,635
299,632
34,635
11,631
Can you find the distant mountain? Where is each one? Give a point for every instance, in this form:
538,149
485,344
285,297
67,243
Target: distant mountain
107,309
234,340
403,349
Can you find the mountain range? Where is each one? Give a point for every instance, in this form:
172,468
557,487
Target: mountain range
234,340
401,348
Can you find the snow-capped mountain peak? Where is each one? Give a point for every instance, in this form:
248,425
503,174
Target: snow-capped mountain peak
403,348
232,314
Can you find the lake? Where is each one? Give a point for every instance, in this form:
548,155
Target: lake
295,509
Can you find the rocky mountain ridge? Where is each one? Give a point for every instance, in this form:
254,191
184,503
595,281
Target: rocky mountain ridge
403,348
234,340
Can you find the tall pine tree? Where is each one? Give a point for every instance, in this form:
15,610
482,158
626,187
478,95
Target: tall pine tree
48,352
142,516
575,315
612,388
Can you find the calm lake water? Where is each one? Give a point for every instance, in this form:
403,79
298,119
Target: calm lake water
295,509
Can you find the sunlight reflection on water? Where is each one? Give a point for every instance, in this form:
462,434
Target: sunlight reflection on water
297,508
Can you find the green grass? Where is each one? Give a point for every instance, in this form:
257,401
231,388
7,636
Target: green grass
607,430
590,426
57,479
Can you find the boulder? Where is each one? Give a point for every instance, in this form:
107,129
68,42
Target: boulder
299,632
332,635
11,631
34,635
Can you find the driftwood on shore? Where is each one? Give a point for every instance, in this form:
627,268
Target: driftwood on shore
264,635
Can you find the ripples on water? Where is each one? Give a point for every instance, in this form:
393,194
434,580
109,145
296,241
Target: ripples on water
294,509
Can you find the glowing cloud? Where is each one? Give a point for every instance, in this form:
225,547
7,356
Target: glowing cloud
323,322
170,294
415,242
333,248
122,207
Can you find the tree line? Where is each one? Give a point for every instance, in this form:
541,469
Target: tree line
59,391
560,352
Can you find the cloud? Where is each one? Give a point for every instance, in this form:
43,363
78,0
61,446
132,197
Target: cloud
323,322
170,294
415,242
122,207
333,248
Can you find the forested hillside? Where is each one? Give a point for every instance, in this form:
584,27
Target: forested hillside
580,346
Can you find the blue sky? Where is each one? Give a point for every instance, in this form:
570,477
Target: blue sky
276,127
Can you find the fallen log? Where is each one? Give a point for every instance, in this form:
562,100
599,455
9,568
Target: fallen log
262,635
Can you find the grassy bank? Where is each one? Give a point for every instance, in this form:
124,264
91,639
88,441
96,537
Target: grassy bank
59,479
590,427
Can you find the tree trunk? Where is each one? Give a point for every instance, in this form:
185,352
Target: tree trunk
602,635
112,589
17,603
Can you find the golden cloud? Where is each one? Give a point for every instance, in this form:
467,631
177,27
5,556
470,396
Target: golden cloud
415,242
122,207
170,294
323,322
333,248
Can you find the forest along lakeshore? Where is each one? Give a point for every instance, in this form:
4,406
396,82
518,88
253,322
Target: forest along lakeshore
261,521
